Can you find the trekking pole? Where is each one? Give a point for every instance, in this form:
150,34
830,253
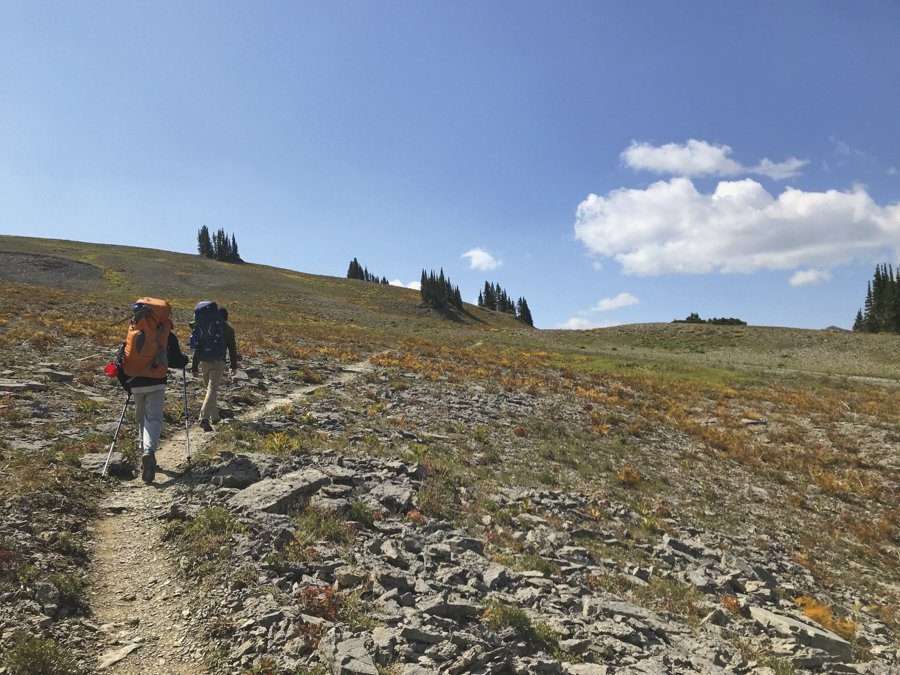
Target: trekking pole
115,436
187,425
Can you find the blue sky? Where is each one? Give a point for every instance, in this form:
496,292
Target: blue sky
410,133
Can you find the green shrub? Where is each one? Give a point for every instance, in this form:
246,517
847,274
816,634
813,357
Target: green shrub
72,589
530,561
498,616
37,656
207,538
314,525
361,513
68,545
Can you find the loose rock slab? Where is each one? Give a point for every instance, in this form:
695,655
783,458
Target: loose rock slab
806,634
346,656
21,385
118,465
116,655
280,495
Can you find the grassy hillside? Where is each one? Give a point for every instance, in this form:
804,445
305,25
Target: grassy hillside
763,349
278,308
42,279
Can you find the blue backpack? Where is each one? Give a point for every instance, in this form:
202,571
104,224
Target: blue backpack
208,337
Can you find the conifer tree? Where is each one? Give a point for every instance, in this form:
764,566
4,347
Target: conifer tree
869,320
204,244
881,309
235,255
439,292
524,313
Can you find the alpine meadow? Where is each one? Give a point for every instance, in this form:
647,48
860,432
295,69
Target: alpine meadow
711,496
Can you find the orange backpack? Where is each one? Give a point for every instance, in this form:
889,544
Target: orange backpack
146,346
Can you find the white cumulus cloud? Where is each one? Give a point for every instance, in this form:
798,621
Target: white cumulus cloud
581,323
699,158
670,227
479,259
809,277
415,285
617,302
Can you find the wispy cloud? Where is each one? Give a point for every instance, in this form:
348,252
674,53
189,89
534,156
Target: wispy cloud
480,259
844,149
699,158
809,277
616,302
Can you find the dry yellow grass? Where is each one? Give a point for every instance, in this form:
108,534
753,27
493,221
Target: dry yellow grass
824,616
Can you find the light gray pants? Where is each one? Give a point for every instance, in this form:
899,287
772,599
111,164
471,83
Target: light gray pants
148,413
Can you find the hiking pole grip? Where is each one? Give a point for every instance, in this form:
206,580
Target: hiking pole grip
115,436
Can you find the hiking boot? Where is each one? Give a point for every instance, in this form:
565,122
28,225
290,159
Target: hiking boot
148,467
205,425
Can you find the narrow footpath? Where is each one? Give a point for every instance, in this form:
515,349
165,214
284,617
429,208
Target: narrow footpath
138,597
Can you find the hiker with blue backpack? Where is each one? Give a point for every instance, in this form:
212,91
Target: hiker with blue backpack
211,338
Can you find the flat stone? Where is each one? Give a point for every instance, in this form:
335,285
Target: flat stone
391,496
271,618
460,544
21,385
55,375
113,657
688,548
716,617
449,609
496,576
699,579
804,633
585,669
416,669
246,647
413,634
346,656
330,504
118,465
240,472
348,577
280,495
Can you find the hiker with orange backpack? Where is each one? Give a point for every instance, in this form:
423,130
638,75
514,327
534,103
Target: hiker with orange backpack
143,361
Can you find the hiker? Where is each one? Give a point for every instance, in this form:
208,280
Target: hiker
211,337
145,357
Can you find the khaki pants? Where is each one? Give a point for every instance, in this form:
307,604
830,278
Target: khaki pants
212,377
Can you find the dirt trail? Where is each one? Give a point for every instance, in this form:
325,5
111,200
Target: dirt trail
137,595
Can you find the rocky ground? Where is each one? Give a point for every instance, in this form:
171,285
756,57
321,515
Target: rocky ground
382,522
331,565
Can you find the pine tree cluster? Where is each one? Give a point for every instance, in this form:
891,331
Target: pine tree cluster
218,246
496,298
438,292
693,317
881,311
357,271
